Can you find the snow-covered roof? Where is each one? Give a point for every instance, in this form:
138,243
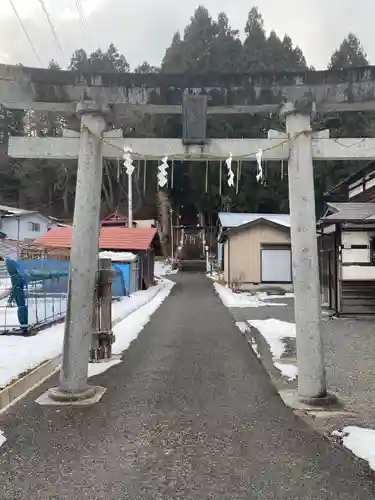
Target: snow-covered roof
229,219
15,211
118,256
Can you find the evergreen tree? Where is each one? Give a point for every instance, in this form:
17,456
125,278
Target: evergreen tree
349,124
145,67
350,54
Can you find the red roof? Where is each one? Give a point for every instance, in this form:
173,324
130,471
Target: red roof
111,238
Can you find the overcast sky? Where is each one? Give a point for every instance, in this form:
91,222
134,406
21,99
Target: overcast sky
142,29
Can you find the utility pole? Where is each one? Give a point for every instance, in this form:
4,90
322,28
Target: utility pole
172,238
84,261
129,170
311,370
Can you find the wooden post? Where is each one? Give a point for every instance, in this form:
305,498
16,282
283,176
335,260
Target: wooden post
106,337
95,323
102,335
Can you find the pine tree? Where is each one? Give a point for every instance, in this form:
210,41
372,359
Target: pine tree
350,53
145,67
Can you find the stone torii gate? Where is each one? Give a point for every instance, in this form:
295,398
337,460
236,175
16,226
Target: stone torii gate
107,100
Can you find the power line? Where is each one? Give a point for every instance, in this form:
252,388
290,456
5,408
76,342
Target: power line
83,19
26,33
52,27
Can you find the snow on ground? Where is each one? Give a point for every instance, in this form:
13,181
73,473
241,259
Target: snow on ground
231,299
20,354
360,441
274,332
288,370
215,275
242,326
2,438
162,268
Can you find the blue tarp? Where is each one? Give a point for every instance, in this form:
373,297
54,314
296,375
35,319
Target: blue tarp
125,269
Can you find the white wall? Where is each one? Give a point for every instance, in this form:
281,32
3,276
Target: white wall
11,229
355,256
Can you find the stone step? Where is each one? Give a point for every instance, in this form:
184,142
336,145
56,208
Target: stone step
192,266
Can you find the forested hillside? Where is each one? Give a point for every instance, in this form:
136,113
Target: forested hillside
206,44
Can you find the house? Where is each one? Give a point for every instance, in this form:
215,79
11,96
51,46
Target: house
257,251
142,242
346,245
230,220
119,220
358,187
20,225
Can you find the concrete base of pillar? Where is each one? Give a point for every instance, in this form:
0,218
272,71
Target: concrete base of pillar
292,399
56,397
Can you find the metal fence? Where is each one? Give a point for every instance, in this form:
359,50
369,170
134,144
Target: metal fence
33,293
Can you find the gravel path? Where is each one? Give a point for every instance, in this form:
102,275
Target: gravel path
190,414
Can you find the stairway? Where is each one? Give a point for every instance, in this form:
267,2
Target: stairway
192,266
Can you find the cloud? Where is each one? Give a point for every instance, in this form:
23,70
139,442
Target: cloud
142,30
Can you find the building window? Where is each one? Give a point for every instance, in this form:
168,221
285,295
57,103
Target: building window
34,227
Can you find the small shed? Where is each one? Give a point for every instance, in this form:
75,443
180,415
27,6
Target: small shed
258,252
126,263
143,242
230,220
346,244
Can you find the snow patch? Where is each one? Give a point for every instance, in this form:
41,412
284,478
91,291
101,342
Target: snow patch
163,268
242,326
118,256
274,332
128,329
360,441
214,275
231,299
288,370
2,438
254,347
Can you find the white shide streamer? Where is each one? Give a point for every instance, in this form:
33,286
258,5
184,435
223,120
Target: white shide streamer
228,162
163,175
128,161
259,176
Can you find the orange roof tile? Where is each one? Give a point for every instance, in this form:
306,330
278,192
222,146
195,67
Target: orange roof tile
111,238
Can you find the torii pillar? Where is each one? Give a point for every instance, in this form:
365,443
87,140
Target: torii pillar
84,261
312,387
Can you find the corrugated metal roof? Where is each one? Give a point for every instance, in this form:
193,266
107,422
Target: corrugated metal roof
362,209
111,238
229,219
351,211
15,211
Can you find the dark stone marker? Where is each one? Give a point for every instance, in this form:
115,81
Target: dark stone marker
194,112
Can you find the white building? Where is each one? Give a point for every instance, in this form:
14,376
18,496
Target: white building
17,224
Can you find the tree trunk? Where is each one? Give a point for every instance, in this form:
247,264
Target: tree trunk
163,207
108,192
